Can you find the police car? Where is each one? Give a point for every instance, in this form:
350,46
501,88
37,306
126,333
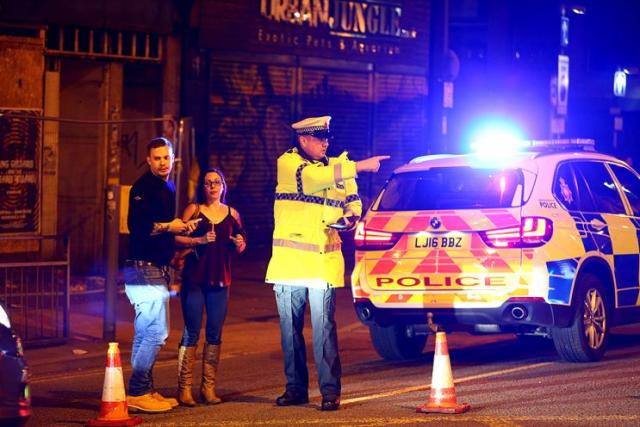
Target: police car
541,242
15,397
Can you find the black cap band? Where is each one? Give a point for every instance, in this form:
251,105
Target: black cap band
320,133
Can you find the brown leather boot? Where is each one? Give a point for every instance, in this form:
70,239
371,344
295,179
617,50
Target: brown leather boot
210,360
186,356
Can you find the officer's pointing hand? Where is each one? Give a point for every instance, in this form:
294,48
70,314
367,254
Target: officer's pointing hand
372,164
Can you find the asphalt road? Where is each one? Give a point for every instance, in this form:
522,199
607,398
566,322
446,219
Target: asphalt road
507,381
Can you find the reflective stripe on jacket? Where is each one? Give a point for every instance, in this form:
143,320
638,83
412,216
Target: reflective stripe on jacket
309,196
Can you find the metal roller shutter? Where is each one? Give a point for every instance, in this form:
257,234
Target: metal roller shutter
400,120
249,115
346,97
251,107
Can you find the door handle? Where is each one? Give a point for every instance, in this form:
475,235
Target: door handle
597,224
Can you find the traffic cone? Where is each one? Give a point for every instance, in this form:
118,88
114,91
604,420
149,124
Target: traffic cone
443,393
114,410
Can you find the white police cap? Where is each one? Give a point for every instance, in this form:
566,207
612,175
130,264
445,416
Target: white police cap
316,126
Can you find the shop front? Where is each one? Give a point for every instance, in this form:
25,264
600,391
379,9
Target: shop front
273,62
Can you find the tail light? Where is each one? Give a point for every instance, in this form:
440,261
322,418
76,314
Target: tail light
374,240
533,231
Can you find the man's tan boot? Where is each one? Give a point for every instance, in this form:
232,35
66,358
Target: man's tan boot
170,400
147,403
210,361
186,356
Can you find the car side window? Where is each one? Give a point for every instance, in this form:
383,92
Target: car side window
564,187
595,178
630,186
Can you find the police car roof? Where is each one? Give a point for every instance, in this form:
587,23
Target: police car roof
517,160
530,160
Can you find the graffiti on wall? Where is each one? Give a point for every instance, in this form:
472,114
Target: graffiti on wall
251,107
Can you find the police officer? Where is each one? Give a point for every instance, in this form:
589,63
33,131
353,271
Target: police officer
315,197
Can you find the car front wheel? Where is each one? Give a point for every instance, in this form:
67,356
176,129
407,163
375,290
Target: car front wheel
586,339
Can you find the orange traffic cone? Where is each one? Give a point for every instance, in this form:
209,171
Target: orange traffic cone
443,392
114,410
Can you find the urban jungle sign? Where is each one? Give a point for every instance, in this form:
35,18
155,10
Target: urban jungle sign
346,18
393,31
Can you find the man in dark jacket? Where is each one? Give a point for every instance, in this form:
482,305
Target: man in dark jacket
153,228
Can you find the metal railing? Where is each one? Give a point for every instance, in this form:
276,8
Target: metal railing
34,287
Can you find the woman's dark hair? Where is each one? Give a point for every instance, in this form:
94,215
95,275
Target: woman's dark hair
200,194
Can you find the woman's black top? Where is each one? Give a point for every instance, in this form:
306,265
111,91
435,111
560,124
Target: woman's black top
210,264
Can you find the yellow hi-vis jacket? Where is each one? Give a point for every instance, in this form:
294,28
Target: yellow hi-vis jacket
309,196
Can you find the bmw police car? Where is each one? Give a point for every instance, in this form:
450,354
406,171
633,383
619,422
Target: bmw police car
542,242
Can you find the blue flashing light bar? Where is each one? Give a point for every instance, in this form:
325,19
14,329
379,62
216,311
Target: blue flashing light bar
496,149
584,144
496,137
498,144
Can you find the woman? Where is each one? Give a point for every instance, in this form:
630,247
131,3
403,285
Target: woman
206,278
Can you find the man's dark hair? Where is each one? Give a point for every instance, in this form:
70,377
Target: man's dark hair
159,141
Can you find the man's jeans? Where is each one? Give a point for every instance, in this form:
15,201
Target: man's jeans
292,302
146,287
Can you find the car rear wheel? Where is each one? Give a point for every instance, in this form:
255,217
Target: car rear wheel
393,342
586,339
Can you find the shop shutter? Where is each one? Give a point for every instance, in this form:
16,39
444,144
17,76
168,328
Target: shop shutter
400,119
346,97
251,107
249,115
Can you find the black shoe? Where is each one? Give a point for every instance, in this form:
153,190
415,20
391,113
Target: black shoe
330,404
290,398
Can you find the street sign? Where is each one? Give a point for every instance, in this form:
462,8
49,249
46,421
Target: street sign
563,85
618,124
447,97
619,83
557,126
564,31
553,91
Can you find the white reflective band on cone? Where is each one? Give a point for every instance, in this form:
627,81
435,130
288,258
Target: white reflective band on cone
113,390
444,379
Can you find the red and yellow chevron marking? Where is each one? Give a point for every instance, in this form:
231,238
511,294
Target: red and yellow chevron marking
501,218
449,299
410,276
428,264
413,222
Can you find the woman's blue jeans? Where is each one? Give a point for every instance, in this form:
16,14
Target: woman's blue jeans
195,300
292,302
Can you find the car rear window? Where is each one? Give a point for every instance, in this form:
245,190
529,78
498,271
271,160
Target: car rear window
453,188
